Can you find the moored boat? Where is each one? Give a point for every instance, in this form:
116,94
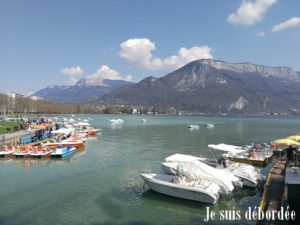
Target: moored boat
39,152
248,174
116,121
209,125
193,127
60,152
75,142
23,151
246,154
6,151
198,171
183,187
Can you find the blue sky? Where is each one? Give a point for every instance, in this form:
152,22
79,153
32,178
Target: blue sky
58,42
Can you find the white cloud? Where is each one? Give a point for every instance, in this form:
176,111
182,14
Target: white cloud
250,12
295,21
71,73
128,78
104,72
260,34
138,52
186,55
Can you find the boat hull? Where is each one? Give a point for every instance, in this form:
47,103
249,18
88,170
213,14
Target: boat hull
63,154
21,155
6,153
40,155
247,182
179,191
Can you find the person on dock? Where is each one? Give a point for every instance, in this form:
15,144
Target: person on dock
290,155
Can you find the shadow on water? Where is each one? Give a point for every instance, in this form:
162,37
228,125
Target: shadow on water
108,203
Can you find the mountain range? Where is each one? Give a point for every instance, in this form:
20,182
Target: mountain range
207,86
82,91
214,86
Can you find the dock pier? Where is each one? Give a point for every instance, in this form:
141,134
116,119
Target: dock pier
275,195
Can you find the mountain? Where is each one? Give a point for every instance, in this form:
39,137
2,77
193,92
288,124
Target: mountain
80,92
213,86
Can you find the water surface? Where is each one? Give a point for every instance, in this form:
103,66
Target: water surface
101,185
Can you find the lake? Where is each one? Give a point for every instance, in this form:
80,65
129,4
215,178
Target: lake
101,184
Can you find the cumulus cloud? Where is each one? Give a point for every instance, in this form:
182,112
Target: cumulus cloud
138,52
104,72
295,21
186,55
250,12
72,73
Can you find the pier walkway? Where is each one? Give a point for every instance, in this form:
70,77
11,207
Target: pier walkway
274,194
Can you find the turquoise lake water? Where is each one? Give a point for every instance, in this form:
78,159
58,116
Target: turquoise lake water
101,185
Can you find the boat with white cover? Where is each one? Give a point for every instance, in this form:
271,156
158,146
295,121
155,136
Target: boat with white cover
198,170
183,187
248,174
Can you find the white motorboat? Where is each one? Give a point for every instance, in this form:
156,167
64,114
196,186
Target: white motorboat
248,174
116,121
183,187
209,125
247,154
198,170
193,127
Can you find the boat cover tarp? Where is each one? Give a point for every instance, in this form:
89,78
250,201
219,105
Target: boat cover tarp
198,170
182,158
228,148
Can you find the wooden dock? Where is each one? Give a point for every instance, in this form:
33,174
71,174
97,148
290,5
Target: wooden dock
274,196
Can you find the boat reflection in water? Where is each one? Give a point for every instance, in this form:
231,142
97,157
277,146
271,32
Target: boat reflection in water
28,163
197,210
